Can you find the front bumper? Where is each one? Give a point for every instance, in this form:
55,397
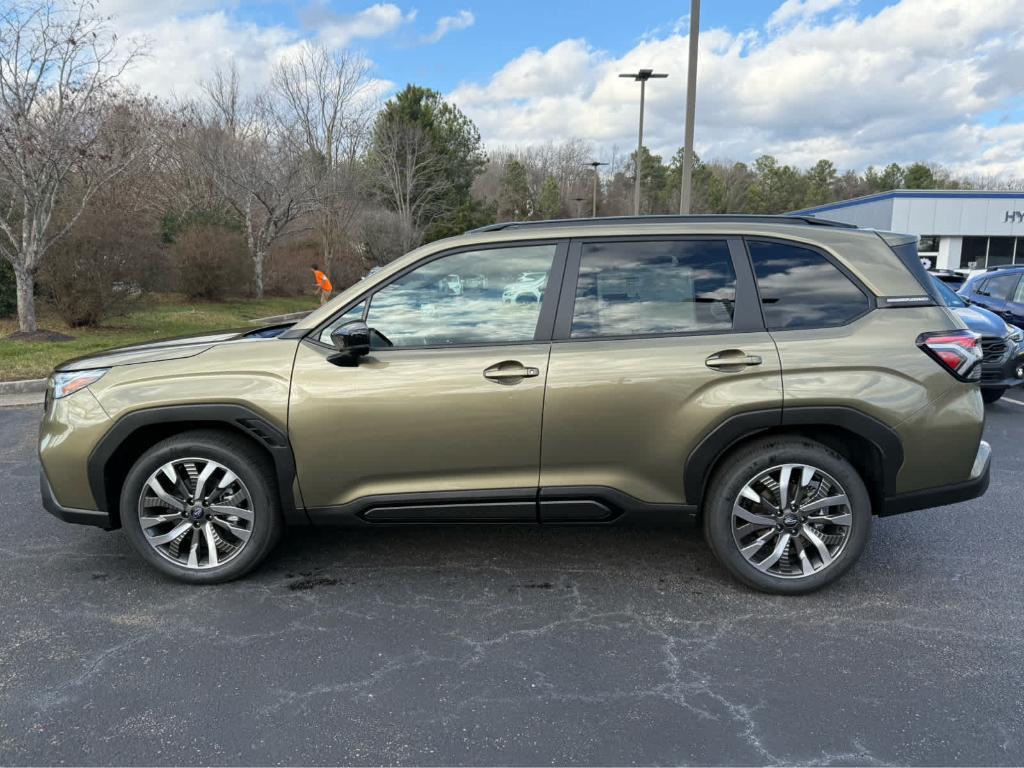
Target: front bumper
70,514
1003,372
972,488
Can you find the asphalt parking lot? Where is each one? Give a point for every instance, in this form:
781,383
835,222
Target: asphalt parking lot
513,645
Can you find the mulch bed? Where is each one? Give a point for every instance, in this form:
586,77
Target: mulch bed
39,335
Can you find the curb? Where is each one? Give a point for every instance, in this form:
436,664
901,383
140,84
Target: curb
22,387
21,400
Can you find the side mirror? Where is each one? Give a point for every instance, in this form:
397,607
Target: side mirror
352,340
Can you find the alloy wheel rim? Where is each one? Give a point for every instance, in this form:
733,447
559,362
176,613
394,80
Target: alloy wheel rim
792,521
196,513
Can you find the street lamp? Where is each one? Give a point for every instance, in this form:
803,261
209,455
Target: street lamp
594,164
641,76
691,103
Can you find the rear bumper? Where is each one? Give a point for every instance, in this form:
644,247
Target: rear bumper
955,493
70,514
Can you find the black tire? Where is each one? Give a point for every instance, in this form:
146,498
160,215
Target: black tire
992,395
252,467
747,463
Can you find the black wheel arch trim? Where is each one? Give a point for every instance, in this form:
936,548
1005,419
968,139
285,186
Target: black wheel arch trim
236,417
751,423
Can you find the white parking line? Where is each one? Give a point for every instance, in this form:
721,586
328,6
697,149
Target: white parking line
1015,402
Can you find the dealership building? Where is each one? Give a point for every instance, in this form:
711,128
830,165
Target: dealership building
959,229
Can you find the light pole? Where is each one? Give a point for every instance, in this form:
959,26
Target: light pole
594,164
641,76
691,104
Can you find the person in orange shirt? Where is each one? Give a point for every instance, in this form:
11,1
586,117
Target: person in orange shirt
323,284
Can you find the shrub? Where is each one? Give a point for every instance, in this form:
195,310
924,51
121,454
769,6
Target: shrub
287,273
97,270
212,262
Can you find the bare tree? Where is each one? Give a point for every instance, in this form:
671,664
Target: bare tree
59,71
406,169
249,152
324,98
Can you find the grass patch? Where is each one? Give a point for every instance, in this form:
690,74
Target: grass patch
161,316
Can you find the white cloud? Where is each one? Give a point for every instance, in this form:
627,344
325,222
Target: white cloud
188,39
376,21
916,81
801,10
184,52
446,24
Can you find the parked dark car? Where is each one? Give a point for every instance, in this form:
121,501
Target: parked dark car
950,277
999,290
1002,365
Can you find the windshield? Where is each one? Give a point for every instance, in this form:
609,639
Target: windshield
949,297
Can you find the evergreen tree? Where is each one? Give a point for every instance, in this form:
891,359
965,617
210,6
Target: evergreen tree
549,200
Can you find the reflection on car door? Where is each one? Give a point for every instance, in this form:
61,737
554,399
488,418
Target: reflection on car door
443,425
655,340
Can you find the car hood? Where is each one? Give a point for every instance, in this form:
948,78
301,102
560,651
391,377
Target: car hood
981,320
169,349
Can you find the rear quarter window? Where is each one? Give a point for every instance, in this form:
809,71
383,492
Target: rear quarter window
800,288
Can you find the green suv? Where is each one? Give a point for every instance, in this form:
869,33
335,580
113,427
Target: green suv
777,380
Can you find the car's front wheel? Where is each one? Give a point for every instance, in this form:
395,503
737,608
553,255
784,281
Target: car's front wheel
201,507
787,515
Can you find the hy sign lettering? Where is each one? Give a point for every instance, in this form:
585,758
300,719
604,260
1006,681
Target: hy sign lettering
1014,217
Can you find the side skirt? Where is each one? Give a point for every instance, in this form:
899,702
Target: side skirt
576,505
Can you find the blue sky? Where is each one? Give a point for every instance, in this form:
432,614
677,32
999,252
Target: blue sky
503,30
858,81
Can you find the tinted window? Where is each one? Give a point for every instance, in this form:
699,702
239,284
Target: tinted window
645,287
1000,251
474,297
949,298
800,288
972,252
1002,286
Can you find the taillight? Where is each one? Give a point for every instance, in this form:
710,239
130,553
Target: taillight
959,352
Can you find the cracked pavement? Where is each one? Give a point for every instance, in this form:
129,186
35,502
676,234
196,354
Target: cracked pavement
513,646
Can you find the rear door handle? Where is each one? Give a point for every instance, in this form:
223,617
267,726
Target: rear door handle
732,359
510,371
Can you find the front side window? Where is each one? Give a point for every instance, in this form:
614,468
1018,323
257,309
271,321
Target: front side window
1000,287
651,287
489,296
800,288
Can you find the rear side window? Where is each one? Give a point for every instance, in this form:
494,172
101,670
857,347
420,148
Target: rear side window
649,287
800,288
1018,295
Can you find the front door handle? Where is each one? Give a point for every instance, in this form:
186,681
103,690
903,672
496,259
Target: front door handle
510,371
732,360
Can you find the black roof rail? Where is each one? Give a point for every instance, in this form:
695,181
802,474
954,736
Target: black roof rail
702,218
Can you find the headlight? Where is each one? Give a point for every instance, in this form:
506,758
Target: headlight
68,383
1016,334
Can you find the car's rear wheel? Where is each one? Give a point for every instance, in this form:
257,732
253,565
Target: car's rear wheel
201,507
787,515
992,395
